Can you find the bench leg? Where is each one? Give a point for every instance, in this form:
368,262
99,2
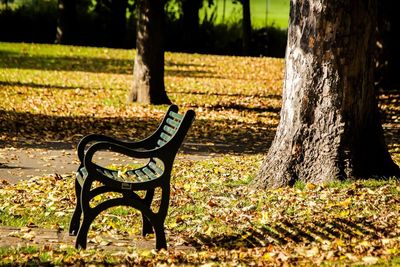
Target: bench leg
81,239
161,242
158,221
76,217
147,226
89,214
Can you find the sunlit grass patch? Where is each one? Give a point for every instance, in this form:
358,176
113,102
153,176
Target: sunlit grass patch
64,92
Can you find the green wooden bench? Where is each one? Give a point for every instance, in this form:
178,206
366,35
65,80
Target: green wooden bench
159,149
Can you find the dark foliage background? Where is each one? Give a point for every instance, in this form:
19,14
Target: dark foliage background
37,22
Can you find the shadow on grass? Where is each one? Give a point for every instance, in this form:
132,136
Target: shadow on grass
58,132
41,86
239,107
285,232
270,96
6,166
89,64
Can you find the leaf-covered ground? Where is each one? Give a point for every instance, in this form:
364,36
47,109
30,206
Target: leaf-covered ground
214,210
82,90
60,93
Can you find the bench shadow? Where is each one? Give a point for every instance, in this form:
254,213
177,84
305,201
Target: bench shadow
285,232
27,130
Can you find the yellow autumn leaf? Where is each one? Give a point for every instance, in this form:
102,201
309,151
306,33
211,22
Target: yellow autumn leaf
370,260
345,203
311,186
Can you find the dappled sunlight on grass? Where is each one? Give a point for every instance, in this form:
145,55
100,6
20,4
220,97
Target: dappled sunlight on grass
63,92
60,93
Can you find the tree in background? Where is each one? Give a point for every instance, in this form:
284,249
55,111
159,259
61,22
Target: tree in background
329,127
66,22
118,22
246,26
389,43
190,22
148,72
113,15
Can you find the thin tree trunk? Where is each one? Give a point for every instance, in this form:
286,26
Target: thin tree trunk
66,22
148,72
389,58
246,27
190,20
118,22
330,127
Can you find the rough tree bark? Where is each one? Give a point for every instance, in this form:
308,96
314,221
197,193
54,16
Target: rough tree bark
329,127
148,72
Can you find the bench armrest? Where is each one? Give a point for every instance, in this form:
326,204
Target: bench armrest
147,143
103,138
113,147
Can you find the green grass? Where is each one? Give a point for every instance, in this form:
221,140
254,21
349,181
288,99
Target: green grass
60,93
263,12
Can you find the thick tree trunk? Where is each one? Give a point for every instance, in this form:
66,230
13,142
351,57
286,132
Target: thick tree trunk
329,126
148,72
66,22
246,27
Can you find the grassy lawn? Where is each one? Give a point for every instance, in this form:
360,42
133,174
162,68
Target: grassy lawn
263,12
60,93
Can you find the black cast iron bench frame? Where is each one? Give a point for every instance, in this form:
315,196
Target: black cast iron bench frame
160,149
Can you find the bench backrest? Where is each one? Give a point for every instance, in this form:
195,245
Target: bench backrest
173,128
168,139
169,127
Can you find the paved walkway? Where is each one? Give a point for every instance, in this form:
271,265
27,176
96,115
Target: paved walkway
57,238
24,163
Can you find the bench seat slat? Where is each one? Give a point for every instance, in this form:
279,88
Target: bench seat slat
130,173
149,173
131,176
169,130
108,174
160,142
173,123
155,168
141,176
165,137
175,115
115,175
